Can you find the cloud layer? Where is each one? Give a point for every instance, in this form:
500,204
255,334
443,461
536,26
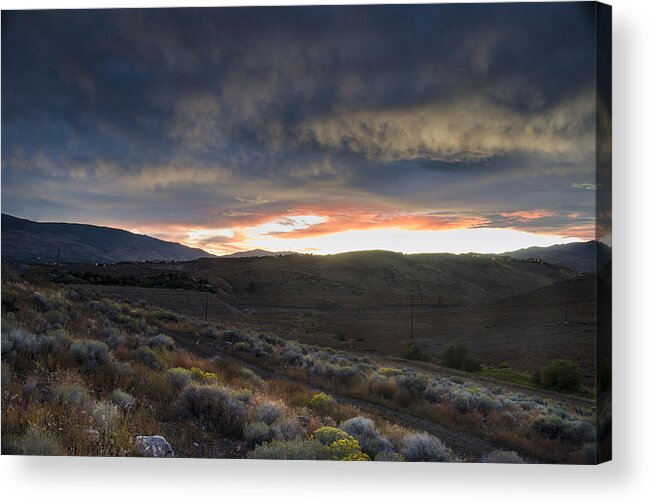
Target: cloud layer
417,118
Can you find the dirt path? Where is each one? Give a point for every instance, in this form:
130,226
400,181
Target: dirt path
467,446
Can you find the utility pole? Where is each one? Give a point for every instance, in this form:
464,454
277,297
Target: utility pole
206,315
411,331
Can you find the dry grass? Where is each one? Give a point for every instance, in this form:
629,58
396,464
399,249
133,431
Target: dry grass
30,411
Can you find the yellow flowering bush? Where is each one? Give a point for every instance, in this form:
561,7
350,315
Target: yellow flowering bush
347,449
328,435
322,403
202,376
388,371
339,445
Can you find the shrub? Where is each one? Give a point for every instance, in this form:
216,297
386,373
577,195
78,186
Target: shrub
416,353
340,445
501,457
346,374
55,317
486,404
364,431
257,433
471,364
70,394
298,449
328,435
423,447
30,443
269,411
22,341
178,377
386,371
202,376
382,386
91,354
113,338
106,416
454,356
241,347
322,403
555,427
287,428
461,402
41,301
436,393
9,301
122,399
56,342
413,385
162,340
535,377
347,449
213,407
123,370
561,375
148,357
243,395
388,456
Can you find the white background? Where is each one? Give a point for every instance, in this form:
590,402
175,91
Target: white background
626,479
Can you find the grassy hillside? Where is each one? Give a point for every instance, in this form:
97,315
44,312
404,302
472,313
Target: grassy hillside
45,242
365,278
85,375
502,310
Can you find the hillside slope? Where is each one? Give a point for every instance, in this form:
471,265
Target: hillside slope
372,277
28,241
580,256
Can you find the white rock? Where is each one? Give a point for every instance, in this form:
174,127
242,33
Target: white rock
153,446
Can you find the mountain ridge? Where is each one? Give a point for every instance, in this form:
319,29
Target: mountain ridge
30,241
583,257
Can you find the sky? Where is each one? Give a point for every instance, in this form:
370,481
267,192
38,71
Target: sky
426,128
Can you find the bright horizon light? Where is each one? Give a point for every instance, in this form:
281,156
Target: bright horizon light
456,241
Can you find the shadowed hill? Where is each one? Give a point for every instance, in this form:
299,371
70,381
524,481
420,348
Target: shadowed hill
581,256
36,242
255,253
363,278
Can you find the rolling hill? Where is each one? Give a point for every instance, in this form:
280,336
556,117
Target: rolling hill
363,278
40,242
580,256
256,253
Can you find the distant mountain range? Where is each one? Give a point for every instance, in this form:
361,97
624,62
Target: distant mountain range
258,253
46,242
586,257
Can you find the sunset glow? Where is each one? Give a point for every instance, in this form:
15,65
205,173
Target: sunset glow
380,137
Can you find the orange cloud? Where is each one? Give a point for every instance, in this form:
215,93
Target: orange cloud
529,214
364,220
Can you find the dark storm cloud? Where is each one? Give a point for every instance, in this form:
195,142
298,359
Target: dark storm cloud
218,116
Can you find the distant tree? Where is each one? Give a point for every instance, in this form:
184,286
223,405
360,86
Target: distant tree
535,377
416,353
454,356
561,375
471,364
